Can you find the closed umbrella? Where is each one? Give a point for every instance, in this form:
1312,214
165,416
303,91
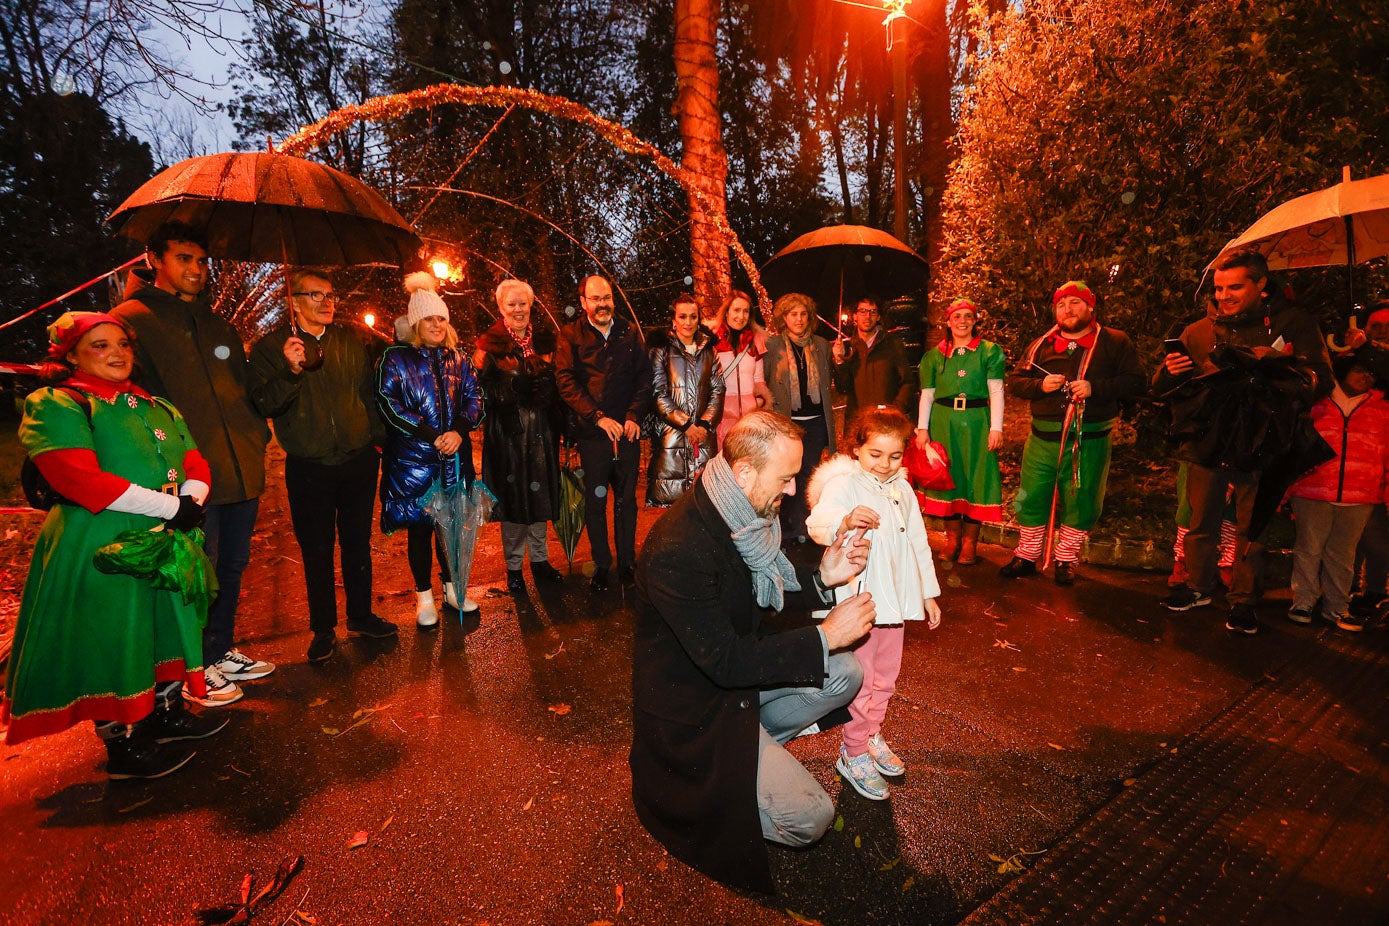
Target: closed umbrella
458,511
569,520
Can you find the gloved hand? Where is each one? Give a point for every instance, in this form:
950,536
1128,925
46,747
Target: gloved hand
189,516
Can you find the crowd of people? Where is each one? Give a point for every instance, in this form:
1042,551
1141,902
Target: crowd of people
156,420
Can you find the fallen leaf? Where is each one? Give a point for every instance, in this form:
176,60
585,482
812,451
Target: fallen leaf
528,804
662,865
305,918
601,923
1004,644
839,824
332,731
618,911
358,840
555,653
1054,746
907,884
1019,669
858,842
318,702
239,771
560,709
386,824
888,866
136,804
803,919
1130,782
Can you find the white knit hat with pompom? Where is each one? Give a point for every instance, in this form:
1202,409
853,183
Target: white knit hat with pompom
424,301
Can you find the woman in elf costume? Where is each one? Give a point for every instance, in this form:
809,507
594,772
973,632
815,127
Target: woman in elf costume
962,410
88,645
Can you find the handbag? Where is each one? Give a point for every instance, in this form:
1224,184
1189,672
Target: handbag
928,468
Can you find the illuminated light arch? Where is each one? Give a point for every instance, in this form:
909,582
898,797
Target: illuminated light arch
381,108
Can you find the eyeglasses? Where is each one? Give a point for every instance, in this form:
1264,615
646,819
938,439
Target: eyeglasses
867,312
319,295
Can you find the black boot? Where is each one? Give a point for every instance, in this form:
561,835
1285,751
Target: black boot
131,753
1018,567
515,582
173,721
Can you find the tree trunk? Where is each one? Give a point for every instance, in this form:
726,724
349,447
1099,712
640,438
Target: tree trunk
933,76
697,107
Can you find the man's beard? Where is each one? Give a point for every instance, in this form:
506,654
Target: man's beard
1074,327
771,509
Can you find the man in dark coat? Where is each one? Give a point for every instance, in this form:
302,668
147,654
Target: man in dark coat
873,369
192,356
317,382
604,376
714,701
1252,316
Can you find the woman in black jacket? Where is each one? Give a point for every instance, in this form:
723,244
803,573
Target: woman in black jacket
515,364
687,391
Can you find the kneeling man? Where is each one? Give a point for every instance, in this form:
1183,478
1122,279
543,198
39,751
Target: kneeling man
714,701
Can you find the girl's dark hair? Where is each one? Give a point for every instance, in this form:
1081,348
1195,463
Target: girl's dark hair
878,419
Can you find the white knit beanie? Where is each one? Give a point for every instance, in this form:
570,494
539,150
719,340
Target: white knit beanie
424,302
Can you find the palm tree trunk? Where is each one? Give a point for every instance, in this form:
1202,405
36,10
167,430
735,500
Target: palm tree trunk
697,107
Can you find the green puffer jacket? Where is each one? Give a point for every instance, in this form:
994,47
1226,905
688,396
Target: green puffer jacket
194,358
327,415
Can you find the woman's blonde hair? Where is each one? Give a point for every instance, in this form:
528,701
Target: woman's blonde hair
507,285
794,301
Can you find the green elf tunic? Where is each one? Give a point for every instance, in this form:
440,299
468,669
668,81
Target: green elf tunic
88,645
960,377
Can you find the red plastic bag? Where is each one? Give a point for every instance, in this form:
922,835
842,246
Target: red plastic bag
929,468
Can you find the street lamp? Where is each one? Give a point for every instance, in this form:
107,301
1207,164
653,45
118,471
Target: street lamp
369,319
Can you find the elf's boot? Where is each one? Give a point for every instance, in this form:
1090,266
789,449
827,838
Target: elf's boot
133,754
952,541
171,719
969,544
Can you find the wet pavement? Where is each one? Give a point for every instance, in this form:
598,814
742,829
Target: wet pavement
487,764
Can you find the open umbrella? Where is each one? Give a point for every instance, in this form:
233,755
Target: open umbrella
271,208
458,511
839,264
1344,224
569,519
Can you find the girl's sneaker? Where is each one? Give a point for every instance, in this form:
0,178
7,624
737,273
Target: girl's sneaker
887,761
862,774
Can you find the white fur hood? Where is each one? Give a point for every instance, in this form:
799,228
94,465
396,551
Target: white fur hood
842,465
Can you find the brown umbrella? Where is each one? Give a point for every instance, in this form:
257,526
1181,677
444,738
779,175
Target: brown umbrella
271,208
839,264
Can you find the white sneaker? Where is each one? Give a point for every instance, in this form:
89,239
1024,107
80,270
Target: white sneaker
239,667
220,690
426,615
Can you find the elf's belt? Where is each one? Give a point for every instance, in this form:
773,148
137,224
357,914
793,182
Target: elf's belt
960,401
1055,436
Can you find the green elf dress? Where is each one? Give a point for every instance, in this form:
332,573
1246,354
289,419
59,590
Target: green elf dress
89,645
956,401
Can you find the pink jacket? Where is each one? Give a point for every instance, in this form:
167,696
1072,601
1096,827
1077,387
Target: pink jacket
1361,442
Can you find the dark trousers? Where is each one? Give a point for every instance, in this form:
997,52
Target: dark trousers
420,540
1372,554
328,505
1206,491
228,531
604,476
794,509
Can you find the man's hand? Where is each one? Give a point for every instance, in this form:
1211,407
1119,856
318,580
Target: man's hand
631,430
448,443
932,613
837,350
860,517
695,434
294,354
844,559
1080,390
611,428
1177,364
995,440
1052,382
849,621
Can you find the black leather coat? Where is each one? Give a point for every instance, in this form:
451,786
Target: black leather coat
686,389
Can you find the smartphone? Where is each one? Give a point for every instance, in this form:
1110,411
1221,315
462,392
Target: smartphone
1174,346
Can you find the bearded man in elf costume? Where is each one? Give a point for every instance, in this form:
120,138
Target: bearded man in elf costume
1075,375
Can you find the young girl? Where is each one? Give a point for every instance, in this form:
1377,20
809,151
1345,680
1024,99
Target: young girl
867,489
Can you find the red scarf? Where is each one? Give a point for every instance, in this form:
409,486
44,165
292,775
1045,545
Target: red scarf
523,342
103,389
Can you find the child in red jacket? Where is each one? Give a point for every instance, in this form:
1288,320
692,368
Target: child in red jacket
1332,503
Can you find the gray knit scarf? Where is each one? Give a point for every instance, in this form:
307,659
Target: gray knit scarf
812,369
758,540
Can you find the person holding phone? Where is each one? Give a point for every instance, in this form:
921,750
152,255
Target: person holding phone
1254,315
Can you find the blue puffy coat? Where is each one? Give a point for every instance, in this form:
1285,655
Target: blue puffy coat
423,392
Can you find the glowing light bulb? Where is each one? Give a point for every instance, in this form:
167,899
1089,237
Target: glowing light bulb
441,269
369,320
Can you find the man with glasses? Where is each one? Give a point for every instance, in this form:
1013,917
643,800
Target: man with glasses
604,376
316,381
871,367
192,356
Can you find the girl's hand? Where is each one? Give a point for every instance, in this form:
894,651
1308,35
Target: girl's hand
932,614
995,440
861,517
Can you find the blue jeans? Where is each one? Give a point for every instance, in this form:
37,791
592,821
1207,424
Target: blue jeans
228,530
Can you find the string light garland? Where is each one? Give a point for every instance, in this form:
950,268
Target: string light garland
382,108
